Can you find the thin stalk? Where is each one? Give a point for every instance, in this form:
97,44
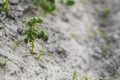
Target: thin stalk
33,46
34,25
7,7
33,41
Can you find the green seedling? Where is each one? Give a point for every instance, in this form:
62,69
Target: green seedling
116,73
102,33
86,77
104,51
98,32
74,75
105,11
3,63
47,5
42,52
32,33
17,42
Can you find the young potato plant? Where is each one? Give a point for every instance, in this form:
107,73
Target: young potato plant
74,75
86,77
47,5
105,11
4,6
42,52
31,34
16,44
105,51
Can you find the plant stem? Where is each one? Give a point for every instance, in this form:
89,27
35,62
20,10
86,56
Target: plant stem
34,26
33,46
33,41
7,7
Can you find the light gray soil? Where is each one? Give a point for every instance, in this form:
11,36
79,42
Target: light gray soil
80,39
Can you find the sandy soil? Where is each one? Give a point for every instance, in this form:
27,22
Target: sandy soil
80,38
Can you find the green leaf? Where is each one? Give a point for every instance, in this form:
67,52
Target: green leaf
41,34
52,1
2,6
26,40
47,5
39,20
33,21
34,34
38,2
105,12
45,38
74,75
31,34
70,2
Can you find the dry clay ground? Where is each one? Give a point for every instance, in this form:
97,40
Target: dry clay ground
79,39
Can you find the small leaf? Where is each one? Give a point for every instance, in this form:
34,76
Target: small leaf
31,34
26,40
39,20
105,12
47,5
70,3
45,38
2,6
38,2
33,21
41,34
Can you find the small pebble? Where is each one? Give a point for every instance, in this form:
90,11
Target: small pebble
20,31
14,2
19,8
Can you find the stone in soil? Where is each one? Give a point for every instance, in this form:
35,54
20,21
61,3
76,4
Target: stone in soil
14,2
